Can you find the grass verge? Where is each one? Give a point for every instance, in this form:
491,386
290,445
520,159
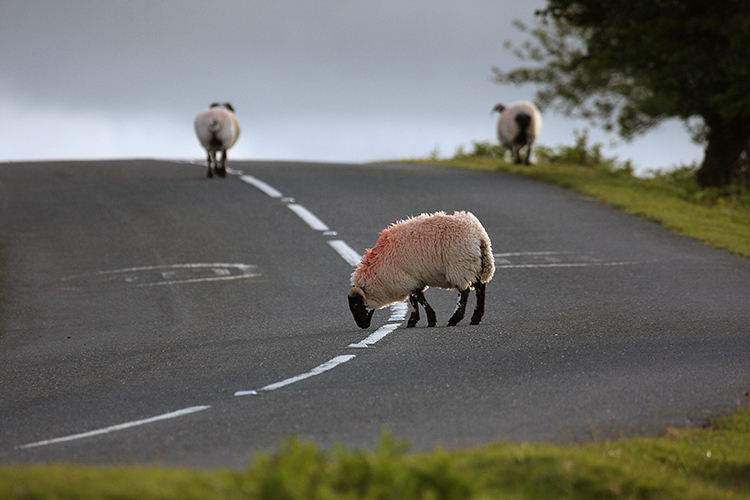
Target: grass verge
706,463
719,219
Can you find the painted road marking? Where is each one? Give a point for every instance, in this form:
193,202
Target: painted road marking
328,365
119,427
377,335
346,252
550,259
398,311
308,217
351,257
580,264
177,274
220,271
270,191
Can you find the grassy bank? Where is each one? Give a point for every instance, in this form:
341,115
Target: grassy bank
706,463
720,218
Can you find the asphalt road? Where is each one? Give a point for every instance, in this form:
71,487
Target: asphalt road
151,315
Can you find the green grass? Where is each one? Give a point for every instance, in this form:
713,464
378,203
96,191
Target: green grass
706,463
720,219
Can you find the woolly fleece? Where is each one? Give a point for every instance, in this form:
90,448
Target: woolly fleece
444,251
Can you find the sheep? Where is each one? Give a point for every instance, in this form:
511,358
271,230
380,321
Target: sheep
452,252
217,129
519,125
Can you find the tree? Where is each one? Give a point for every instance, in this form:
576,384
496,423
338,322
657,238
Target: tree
629,64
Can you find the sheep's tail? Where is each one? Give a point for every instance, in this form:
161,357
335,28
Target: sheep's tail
523,120
215,125
487,261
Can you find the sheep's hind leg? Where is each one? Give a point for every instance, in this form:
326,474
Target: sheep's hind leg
414,316
479,308
516,151
221,168
458,314
209,163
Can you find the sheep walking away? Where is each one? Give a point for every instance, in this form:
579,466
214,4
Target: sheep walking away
445,251
519,126
217,129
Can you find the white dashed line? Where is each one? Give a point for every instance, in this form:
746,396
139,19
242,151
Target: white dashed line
270,191
376,335
119,427
308,217
351,257
328,365
221,272
346,252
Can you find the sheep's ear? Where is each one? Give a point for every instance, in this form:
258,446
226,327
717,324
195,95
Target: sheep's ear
214,105
229,106
499,108
362,315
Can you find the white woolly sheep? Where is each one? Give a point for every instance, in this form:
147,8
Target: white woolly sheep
519,125
217,129
445,251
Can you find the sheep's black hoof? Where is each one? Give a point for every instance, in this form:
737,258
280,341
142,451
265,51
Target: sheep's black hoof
455,319
413,320
221,172
475,322
209,173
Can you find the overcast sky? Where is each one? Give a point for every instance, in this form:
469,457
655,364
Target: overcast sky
310,80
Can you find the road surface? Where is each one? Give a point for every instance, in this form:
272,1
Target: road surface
151,315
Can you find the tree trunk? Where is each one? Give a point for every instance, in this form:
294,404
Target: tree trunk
726,141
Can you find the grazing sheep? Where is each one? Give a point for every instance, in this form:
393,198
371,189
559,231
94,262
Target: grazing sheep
217,129
518,126
445,251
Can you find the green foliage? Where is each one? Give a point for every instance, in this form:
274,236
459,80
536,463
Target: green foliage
581,153
302,471
628,65
711,462
483,149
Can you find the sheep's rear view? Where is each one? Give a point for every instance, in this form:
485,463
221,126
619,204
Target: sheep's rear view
217,129
445,251
519,126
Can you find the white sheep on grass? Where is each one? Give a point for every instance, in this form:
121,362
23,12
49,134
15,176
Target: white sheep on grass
217,129
444,251
519,125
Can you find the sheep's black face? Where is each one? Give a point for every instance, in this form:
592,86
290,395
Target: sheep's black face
362,315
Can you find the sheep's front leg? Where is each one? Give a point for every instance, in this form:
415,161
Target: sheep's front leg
528,155
479,308
431,318
458,314
418,298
